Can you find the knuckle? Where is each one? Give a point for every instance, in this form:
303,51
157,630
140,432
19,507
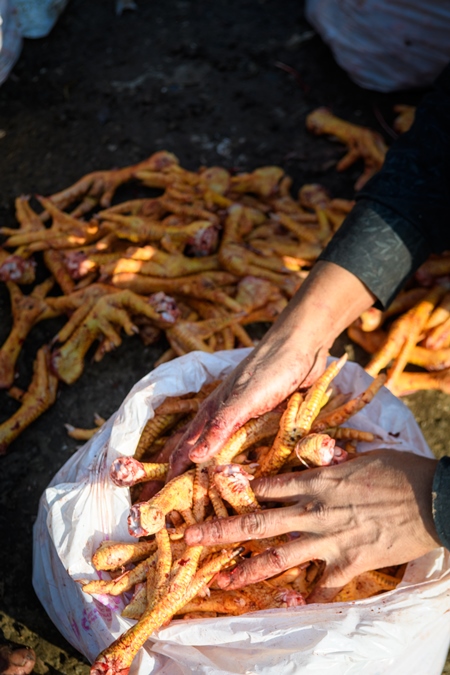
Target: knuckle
215,530
253,524
320,510
277,559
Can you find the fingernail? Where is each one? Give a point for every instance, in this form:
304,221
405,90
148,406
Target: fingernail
193,535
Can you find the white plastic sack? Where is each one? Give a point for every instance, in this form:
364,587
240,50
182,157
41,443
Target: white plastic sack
403,631
36,18
24,18
386,45
10,39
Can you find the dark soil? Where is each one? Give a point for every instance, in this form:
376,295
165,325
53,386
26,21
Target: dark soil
203,80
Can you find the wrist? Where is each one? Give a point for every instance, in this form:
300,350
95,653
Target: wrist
328,301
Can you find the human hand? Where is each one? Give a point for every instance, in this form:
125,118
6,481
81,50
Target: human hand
373,511
291,354
261,381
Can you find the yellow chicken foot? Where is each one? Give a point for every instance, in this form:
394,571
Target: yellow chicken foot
254,431
149,517
366,585
405,118
348,434
200,491
112,555
109,311
263,181
154,428
99,187
27,311
285,439
127,471
340,415
41,395
233,485
315,450
157,586
297,419
191,335
118,657
217,502
125,581
361,142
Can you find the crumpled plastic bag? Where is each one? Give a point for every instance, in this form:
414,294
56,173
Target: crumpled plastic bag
403,631
36,18
385,45
24,19
10,39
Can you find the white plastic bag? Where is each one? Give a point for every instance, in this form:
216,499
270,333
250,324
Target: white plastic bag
386,45
24,18
36,18
10,39
404,631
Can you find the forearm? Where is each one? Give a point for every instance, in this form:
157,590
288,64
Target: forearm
326,303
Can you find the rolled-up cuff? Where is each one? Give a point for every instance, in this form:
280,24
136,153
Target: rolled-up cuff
378,246
441,501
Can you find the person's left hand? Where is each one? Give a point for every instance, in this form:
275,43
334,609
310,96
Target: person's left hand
373,511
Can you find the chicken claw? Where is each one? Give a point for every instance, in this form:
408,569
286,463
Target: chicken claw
148,517
361,142
99,187
41,395
185,585
233,484
27,311
127,471
108,312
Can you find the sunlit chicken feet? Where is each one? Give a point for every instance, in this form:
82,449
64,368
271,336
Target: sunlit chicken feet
99,187
110,311
362,143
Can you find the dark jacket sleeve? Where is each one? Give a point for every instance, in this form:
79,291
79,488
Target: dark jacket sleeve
403,213
441,501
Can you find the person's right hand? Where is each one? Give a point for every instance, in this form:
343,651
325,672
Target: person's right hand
371,512
291,354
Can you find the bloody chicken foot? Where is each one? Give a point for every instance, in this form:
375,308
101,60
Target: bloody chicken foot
127,471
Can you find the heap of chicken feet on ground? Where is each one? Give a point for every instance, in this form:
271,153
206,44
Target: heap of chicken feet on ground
211,254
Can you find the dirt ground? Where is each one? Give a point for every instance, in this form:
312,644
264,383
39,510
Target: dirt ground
207,82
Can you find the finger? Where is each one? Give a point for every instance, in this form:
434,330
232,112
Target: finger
217,432
225,413
287,486
331,582
272,562
254,525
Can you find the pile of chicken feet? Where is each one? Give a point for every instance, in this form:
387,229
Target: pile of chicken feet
213,253
170,579
209,255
